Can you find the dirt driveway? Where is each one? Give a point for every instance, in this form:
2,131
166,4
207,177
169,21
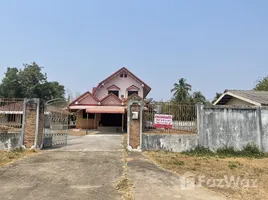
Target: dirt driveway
85,169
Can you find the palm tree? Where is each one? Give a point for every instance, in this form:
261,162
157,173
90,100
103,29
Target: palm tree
216,97
198,97
181,91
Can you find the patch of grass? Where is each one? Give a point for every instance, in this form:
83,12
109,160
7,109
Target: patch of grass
10,156
233,164
248,151
178,162
200,152
124,184
229,163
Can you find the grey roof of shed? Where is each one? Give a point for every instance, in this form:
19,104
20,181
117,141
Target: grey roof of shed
257,98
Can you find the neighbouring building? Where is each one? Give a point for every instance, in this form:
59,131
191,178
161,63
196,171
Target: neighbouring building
243,98
104,108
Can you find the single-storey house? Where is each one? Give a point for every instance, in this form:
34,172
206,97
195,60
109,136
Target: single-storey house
243,98
105,105
11,113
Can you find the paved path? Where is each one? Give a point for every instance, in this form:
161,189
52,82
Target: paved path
154,183
85,169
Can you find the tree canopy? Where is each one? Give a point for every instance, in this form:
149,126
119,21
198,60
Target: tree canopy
181,93
217,96
262,84
29,82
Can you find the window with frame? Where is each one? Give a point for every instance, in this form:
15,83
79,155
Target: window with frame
88,115
115,92
129,93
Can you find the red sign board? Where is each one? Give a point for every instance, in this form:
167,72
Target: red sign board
162,121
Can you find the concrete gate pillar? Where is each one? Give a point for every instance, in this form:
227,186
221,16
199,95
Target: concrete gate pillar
134,125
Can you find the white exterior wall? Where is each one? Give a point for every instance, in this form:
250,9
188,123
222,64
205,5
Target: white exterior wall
235,101
123,84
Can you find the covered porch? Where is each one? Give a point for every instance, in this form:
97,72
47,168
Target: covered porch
102,118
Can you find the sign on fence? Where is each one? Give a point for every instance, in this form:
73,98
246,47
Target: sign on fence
162,121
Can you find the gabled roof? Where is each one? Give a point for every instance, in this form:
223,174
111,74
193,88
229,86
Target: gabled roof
81,97
258,98
147,89
113,97
113,87
12,108
133,87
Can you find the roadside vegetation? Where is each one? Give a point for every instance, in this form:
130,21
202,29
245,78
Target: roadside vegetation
247,164
13,155
251,151
124,184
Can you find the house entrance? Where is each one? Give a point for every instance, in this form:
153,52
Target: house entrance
114,120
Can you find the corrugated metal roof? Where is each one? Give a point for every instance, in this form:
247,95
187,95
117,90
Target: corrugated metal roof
260,97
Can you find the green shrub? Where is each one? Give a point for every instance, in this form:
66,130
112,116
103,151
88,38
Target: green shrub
250,150
233,164
199,151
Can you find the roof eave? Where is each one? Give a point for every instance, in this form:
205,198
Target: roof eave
238,97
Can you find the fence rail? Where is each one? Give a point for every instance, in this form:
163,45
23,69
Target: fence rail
11,115
182,118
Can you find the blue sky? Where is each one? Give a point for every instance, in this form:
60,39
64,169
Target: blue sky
215,45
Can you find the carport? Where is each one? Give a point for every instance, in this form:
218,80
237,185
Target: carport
110,116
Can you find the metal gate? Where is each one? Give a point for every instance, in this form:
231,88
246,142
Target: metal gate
56,123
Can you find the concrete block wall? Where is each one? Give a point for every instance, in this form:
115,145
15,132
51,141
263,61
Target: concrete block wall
228,126
218,126
169,142
264,128
10,141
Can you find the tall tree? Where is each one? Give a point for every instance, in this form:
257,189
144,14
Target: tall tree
181,91
217,96
262,84
29,82
10,86
198,97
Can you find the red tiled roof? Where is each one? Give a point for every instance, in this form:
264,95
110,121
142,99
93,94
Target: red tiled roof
133,87
82,96
113,86
111,94
17,106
